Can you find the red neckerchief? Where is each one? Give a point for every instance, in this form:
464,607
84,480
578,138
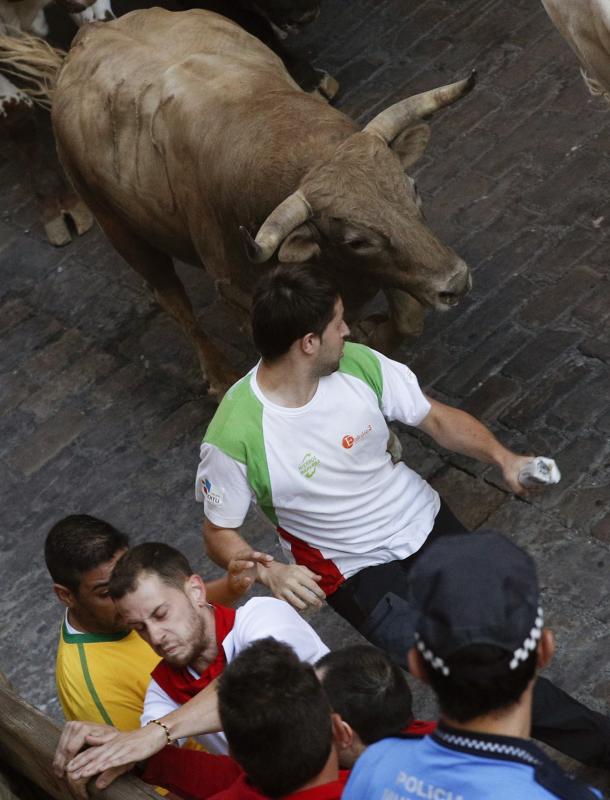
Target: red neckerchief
178,682
419,727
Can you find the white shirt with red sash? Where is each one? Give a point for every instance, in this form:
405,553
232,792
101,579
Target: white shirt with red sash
260,617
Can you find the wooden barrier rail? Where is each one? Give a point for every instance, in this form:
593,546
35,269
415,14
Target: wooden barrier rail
28,740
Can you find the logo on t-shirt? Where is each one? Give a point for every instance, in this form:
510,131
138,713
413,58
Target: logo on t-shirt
209,494
349,441
308,465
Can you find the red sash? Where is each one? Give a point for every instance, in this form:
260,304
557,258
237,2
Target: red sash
178,682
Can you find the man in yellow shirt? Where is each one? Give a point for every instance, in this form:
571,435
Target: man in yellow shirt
102,671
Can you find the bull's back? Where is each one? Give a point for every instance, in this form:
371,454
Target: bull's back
133,99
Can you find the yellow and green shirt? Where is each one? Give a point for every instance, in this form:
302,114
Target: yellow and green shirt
103,677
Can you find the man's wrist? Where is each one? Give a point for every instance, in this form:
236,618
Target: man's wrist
265,571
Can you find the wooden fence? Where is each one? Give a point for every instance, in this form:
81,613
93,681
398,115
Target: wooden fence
28,740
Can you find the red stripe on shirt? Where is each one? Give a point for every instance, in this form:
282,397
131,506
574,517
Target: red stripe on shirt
312,558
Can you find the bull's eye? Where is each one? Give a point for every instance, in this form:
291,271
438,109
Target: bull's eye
358,245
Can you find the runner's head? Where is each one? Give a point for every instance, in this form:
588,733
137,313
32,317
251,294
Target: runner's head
276,717
298,308
80,553
479,637
369,692
158,595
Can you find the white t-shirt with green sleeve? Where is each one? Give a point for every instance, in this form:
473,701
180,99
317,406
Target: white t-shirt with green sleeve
321,472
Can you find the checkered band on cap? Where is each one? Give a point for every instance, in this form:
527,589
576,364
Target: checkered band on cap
531,641
436,662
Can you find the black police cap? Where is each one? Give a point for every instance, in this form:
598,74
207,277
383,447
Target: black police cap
475,589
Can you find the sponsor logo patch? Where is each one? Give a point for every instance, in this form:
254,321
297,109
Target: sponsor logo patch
349,441
210,493
308,465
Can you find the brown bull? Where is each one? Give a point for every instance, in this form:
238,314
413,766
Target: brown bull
177,129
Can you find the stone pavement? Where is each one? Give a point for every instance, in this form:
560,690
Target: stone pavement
103,406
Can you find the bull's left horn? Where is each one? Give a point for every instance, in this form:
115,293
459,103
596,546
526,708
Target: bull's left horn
395,119
291,212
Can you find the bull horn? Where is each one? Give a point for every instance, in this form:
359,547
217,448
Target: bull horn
397,118
291,212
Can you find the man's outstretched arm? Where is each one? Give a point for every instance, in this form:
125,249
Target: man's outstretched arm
291,582
111,753
459,431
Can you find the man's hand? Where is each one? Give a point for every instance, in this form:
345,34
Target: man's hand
511,466
109,758
242,570
294,583
72,740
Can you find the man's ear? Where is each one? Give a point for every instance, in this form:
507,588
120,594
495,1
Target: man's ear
343,734
299,246
308,343
416,665
65,595
410,145
546,648
195,588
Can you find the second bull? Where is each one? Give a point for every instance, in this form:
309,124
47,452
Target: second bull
180,129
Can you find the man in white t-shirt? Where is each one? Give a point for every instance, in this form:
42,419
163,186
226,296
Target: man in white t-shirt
304,436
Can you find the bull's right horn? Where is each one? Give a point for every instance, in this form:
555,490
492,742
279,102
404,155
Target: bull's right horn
395,119
291,212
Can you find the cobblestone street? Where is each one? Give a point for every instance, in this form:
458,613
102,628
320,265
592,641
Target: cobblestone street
102,402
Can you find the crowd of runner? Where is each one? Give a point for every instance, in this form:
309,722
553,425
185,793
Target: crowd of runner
206,693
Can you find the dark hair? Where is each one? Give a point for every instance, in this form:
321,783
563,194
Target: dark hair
289,302
480,681
154,558
276,717
368,690
78,543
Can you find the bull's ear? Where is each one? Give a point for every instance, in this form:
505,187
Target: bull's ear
409,145
299,246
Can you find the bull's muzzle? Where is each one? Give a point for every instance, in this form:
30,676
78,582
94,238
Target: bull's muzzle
456,288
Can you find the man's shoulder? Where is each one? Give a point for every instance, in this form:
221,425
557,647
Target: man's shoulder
409,760
265,606
270,613
237,421
362,363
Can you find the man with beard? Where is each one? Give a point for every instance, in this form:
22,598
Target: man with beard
159,596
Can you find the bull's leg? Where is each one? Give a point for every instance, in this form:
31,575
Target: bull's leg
158,271
406,321
60,209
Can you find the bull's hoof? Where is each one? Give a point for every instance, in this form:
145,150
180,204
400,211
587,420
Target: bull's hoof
77,212
327,87
64,217
57,231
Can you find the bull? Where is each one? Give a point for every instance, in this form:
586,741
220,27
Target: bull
585,25
180,129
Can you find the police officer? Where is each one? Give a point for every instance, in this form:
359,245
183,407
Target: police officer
479,643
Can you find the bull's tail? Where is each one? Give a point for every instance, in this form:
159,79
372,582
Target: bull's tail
34,62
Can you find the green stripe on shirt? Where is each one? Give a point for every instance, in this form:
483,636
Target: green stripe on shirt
100,707
237,430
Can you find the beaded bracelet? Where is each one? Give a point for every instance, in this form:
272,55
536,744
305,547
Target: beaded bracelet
161,725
